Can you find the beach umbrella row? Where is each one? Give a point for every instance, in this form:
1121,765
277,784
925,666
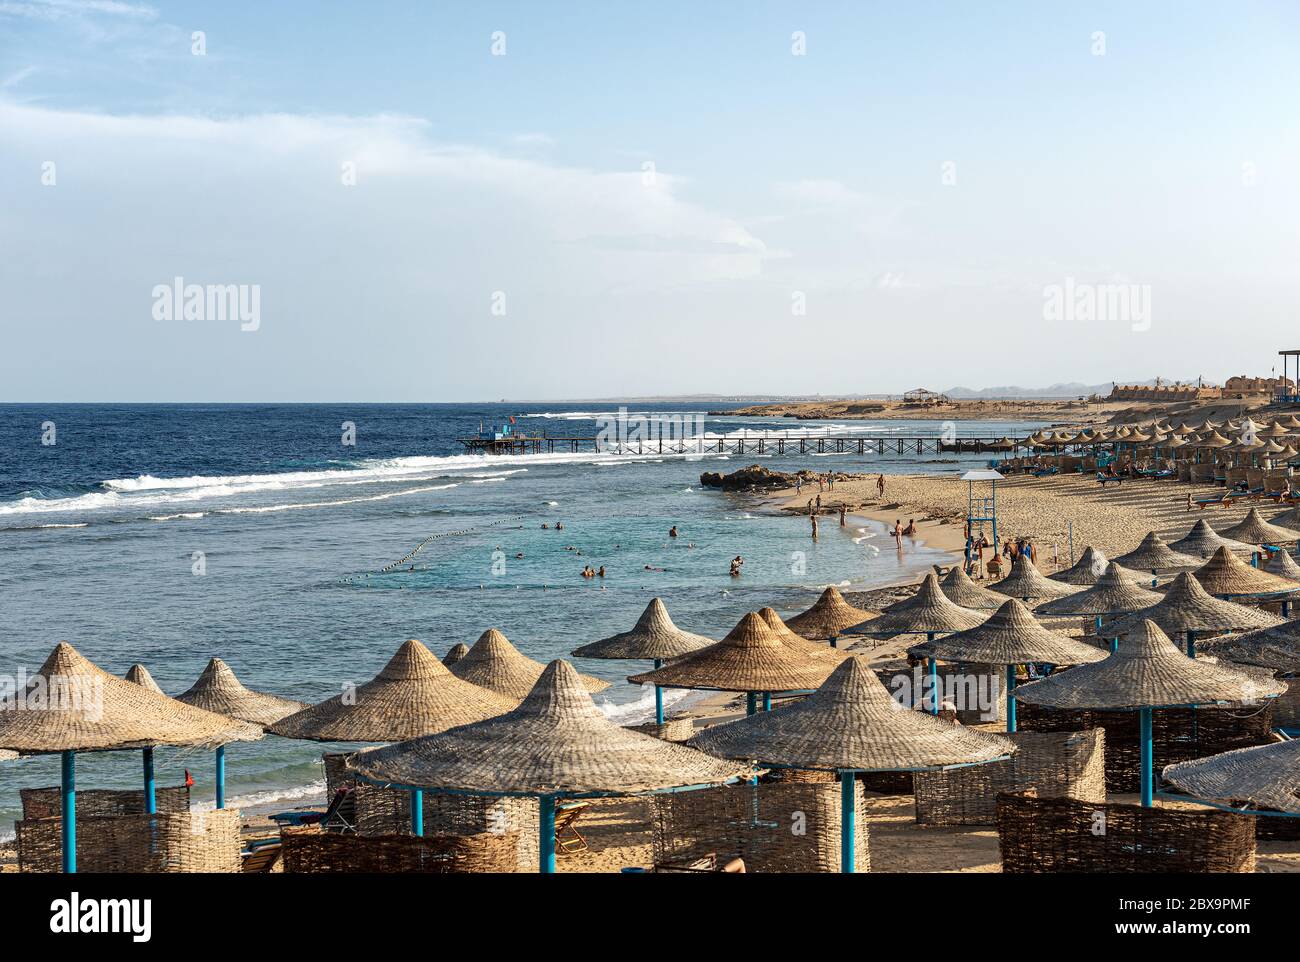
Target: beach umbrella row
1187,608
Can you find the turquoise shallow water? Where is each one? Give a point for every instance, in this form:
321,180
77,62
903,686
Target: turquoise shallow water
100,534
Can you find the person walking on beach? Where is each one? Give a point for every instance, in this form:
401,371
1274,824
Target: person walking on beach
819,502
798,485
814,527
898,532
821,483
810,507
880,485
843,512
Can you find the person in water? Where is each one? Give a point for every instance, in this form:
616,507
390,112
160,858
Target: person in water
672,532
736,562
910,530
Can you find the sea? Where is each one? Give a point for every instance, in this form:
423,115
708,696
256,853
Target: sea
303,543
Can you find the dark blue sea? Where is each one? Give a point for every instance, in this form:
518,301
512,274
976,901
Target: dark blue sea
166,534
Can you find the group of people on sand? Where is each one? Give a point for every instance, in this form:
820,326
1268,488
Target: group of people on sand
825,482
900,532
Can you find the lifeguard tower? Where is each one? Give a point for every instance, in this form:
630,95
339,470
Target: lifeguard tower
982,507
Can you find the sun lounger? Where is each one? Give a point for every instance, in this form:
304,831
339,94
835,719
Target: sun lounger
703,865
1105,479
260,856
340,817
568,840
1219,499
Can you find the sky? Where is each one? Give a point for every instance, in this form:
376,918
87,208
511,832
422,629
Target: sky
436,201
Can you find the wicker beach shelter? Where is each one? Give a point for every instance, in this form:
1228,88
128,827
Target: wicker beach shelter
1227,575
654,638
1113,593
557,744
1253,529
928,612
1085,571
1281,563
455,653
1146,673
1010,637
1202,541
1154,555
1028,584
1264,776
851,724
73,706
828,617
138,674
497,665
752,658
958,588
1188,608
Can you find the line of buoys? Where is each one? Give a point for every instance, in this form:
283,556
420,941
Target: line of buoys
440,535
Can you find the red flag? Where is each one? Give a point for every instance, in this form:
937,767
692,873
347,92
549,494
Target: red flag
512,419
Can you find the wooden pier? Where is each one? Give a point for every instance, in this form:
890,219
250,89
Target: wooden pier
742,445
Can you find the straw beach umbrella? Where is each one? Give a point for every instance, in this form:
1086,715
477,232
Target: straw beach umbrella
1114,592
1266,776
556,744
1274,648
1028,584
1281,563
75,706
828,617
138,674
219,691
1154,555
1085,571
455,653
1011,636
1148,672
497,665
1202,541
958,588
851,724
752,658
1188,608
1226,574
655,638
1253,529
796,641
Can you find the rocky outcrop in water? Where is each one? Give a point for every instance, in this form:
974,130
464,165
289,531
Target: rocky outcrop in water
751,478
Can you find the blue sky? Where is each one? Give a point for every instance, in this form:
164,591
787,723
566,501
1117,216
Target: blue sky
1169,163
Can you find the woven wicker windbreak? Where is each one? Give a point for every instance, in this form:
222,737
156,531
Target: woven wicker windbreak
1148,671
309,850
414,695
1113,592
1053,764
958,588
828,617
1060,835
1203,541
497,665
1276,648
556,743
167,842
850,723
1026,581
752,657
81,707
1267,776
138,674
1187,606
798,642
1011,636
1085,571
653,637
1281,563
1253,529
48,802
1226,574
218,690
1153,554
455,653
927,611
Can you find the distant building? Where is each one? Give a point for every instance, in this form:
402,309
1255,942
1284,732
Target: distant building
1164,392
925,398
1240,384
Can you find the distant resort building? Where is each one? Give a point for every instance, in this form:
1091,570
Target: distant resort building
922,397
1258,385
1165,392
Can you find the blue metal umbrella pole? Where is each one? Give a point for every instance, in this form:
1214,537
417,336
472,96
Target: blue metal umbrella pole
1011,701
69,812
417,811
546,834
659,696
767,701
150,798
848,831
221,776
1144,721
934,679
751,703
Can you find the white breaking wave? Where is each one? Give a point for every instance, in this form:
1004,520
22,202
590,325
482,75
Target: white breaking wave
272,508
642,709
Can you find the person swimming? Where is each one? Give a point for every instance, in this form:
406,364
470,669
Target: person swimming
672,532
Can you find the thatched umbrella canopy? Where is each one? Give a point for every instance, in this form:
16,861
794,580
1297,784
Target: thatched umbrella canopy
1213,440
1281,563
1253,529
1274,648
927,612
1266,776
218,690
455,653
414,695
1153,554
1287,519
1202,541
1026,583
958,588
1145,673
138,674
497,665
1188,607
1085,571
752,658
654,637
828,617
556,744
1113,592
851,724
796,641
1226,574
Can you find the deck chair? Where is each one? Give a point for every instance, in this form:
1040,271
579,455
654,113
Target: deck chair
1223,499
340,817
260,856
1105,479
568,840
